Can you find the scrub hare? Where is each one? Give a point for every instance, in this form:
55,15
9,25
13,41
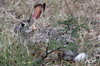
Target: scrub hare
33,36
27,30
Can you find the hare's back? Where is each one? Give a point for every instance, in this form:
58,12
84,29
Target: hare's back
44,35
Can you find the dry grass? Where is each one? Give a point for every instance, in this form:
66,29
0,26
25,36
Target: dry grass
12,12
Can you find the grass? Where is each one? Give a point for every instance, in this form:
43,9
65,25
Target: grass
12,53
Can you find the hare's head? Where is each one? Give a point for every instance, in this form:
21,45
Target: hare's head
27,26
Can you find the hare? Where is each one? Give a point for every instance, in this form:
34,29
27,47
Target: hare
31,35
27,30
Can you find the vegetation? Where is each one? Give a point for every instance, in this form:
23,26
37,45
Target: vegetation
84,30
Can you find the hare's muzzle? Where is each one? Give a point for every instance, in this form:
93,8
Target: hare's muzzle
16,29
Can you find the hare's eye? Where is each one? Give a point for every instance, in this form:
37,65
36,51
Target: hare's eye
22,24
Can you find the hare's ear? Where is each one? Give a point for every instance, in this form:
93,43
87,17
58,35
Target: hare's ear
38,9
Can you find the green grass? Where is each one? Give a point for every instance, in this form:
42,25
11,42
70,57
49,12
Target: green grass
13,54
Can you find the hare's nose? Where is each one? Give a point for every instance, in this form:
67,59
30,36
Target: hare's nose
16,29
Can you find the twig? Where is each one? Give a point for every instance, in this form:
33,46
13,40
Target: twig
68,8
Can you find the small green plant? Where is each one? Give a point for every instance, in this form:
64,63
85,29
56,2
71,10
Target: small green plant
54,45
74,25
